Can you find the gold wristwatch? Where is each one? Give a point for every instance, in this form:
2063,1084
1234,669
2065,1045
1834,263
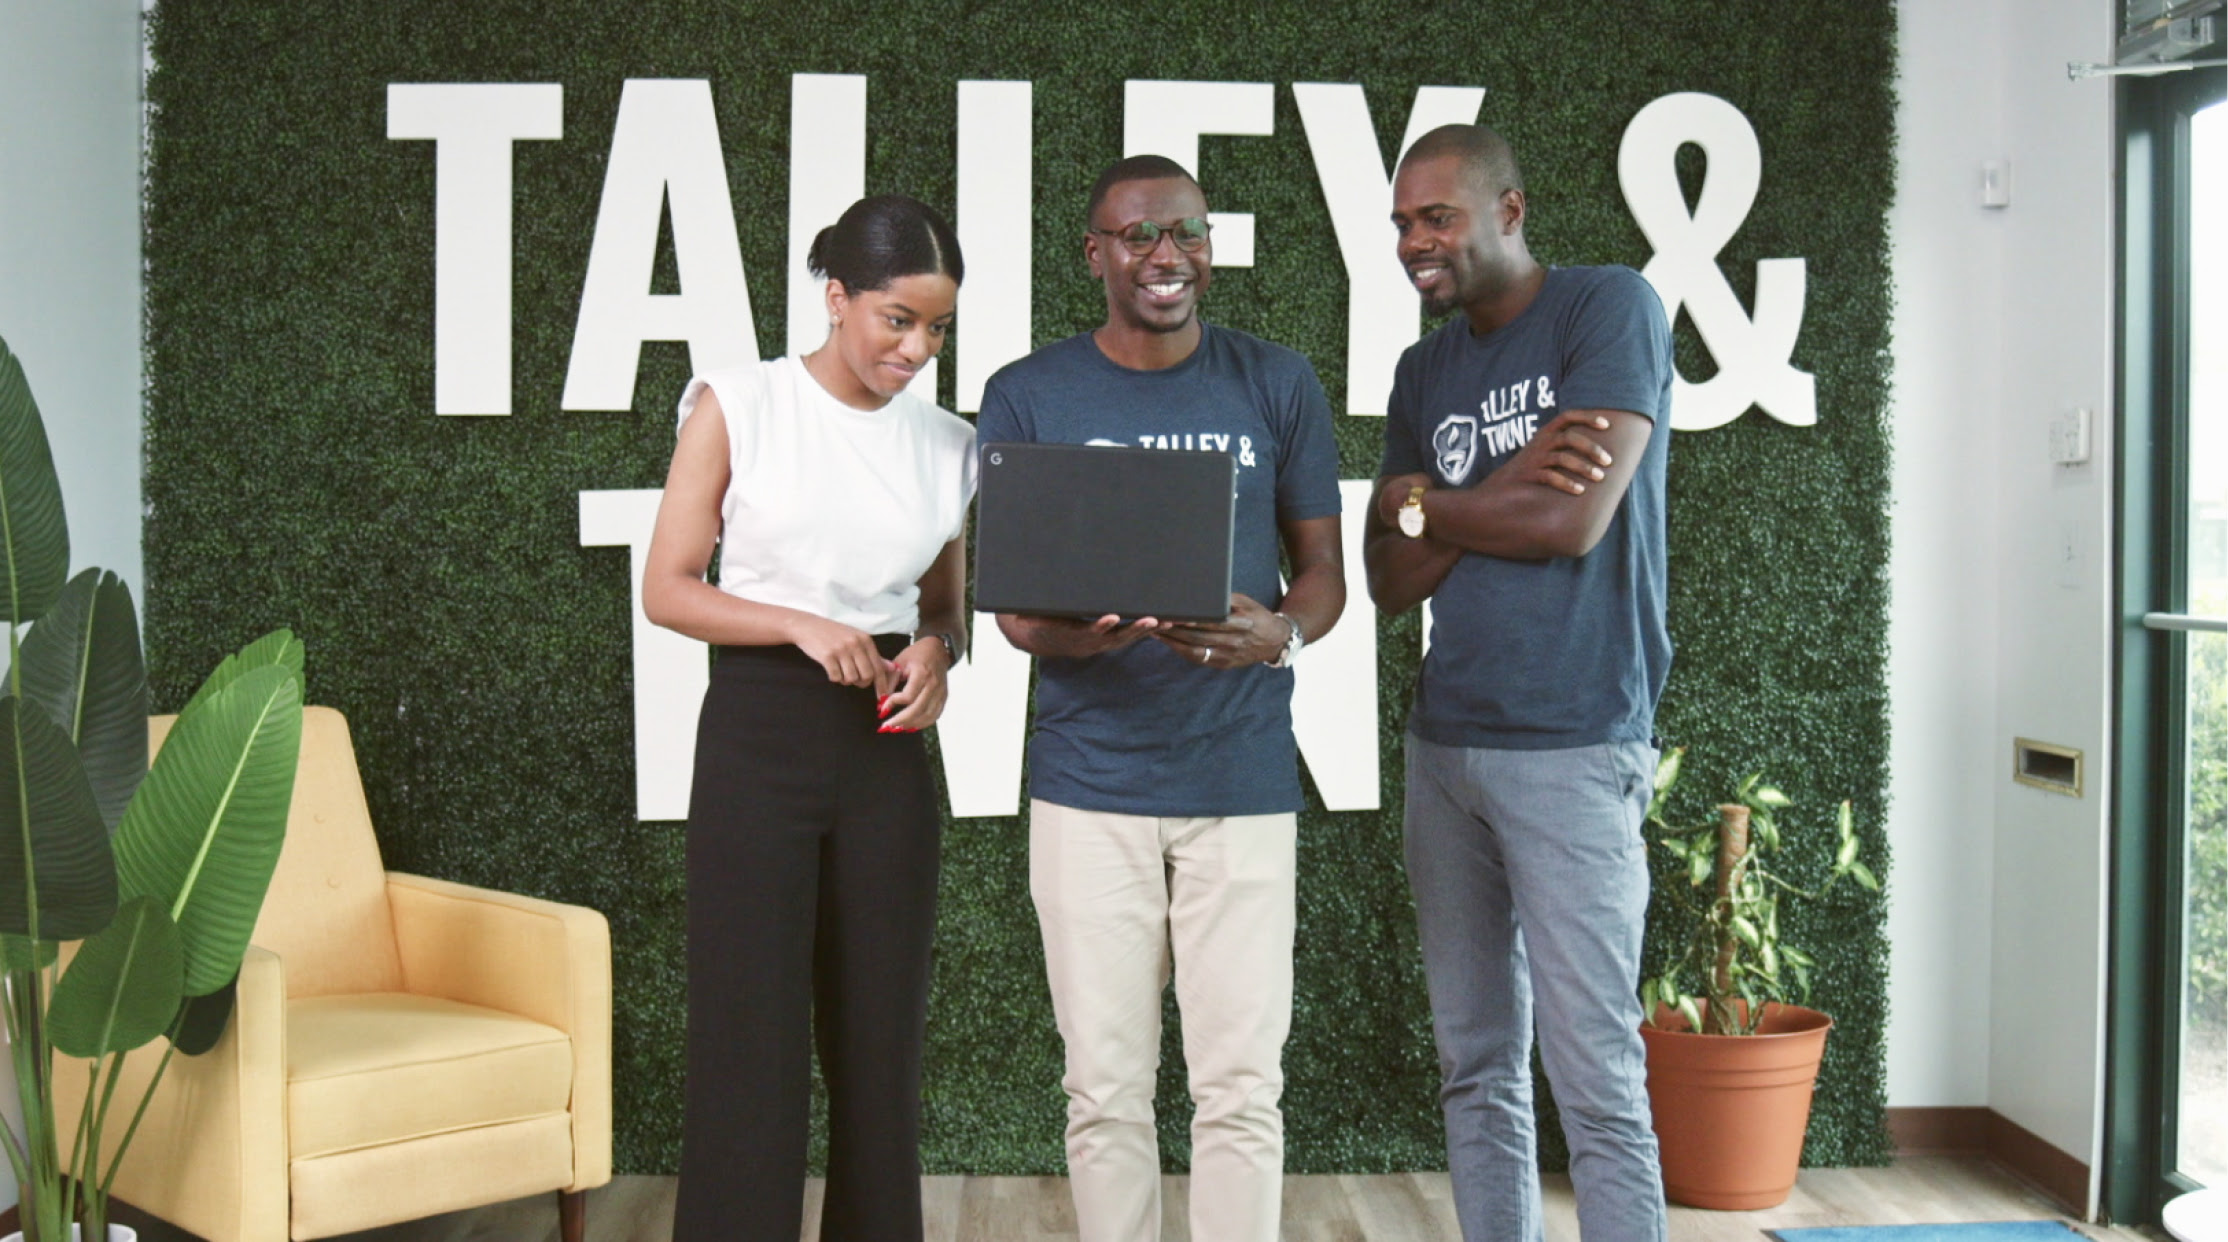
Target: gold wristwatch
1411,513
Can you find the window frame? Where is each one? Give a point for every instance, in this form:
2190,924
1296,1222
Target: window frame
2149,835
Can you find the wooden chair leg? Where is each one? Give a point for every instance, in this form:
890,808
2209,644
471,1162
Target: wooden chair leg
572,1215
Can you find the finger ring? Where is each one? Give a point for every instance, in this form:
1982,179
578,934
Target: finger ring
1205,654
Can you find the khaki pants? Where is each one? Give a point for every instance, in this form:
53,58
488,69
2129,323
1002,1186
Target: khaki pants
1115,895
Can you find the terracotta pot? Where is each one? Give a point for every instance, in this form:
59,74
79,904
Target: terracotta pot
1731,1110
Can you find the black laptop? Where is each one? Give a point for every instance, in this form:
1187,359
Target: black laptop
1075,530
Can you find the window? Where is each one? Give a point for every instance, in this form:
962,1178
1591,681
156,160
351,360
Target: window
2168,1112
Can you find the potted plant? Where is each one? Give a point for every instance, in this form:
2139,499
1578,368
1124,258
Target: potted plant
159,873
1731,1058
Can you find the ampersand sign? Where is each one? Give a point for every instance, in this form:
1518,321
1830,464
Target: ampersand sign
1752,352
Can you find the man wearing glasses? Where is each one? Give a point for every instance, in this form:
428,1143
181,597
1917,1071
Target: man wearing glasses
1163,775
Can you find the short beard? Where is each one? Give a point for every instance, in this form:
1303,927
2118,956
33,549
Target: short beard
1166,329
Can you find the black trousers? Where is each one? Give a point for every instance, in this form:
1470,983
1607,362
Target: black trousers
812,857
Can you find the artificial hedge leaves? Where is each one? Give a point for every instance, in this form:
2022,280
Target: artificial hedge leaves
296,474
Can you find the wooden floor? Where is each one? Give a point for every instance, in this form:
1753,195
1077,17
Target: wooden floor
1411,1207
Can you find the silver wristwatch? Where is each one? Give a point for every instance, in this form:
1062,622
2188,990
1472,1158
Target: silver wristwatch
951,644
1292,643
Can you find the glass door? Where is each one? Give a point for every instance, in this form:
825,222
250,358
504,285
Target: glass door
2200,1136
2167,1111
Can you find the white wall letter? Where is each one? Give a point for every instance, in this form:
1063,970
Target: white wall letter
1382,310
984,723
665,152
670,670
981,732
1334,686
995,163
1167,118
472,126
1752,352
827,173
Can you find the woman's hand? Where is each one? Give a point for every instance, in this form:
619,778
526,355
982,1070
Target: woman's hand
921,691
847,653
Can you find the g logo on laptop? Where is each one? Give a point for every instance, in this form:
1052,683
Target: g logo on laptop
997,458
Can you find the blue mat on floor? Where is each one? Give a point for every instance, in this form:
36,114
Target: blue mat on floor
1999,1231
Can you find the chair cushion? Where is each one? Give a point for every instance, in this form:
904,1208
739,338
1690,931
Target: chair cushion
383,1067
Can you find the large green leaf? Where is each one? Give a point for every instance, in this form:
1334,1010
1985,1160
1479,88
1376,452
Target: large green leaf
82,664
34,537
16,953
123,987
57,875
203,833
201,1019
279,648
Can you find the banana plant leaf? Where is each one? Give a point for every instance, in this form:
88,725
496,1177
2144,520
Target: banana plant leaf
34,536
279,648
16,953
201,1019
57,873
123,987
81,663
203,833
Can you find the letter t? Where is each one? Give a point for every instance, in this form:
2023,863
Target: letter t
472,126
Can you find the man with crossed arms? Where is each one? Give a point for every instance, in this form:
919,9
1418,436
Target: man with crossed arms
1523,494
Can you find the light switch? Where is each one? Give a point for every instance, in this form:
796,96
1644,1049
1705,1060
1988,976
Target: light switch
2069,438
1995,183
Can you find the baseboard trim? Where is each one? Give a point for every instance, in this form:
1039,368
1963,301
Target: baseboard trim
1986,1132
1938,1131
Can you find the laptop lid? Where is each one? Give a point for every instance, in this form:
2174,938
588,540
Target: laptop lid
1078,530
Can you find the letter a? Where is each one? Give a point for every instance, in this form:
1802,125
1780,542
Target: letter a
664,150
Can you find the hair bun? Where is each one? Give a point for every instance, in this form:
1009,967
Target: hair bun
881,238
816,256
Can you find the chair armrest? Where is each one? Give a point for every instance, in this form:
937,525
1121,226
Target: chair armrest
211,1155
543,960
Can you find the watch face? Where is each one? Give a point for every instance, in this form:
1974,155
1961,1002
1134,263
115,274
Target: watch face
1411,521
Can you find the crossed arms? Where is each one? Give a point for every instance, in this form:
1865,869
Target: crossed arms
1554,498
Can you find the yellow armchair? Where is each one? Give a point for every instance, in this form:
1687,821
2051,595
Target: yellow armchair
402,1046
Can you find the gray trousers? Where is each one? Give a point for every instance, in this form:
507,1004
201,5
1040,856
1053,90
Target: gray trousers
1531,886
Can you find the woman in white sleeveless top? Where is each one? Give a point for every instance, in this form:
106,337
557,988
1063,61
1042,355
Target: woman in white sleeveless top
837,500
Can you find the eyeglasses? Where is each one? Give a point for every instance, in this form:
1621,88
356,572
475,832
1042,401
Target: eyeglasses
1189,234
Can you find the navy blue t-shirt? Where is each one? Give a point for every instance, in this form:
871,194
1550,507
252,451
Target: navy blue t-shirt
1143,731
1573,651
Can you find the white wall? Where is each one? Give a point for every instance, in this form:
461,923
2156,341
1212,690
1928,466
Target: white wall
69,270
2003,322
2053,664
69,253
1948,261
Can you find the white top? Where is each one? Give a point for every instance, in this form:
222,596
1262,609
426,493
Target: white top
832,510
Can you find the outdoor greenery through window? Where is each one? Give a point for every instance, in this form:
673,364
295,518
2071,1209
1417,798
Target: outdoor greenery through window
2202,1143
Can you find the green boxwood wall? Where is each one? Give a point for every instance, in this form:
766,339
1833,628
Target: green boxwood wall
295,472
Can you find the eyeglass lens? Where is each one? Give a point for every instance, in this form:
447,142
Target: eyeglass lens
1189,233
